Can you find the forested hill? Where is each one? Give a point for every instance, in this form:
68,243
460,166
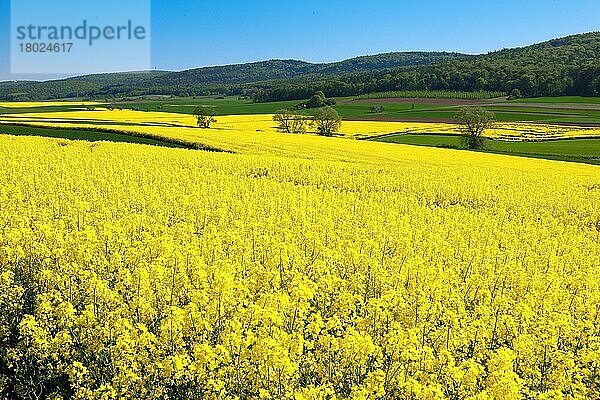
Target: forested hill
93,86
226,79
285,69
565,66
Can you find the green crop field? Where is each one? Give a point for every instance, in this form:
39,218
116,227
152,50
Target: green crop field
560,99
572,110
23,110
434,94
578,150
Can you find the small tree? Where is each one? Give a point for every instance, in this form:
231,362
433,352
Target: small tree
515,94
289,122
317,100
205,116
473,122
282,117
327,121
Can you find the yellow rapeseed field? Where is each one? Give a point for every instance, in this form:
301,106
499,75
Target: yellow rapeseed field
247,125
301,268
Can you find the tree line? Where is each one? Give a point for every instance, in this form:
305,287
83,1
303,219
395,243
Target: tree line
551,80
566,66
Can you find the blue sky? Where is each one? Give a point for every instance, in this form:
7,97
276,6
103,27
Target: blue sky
187,34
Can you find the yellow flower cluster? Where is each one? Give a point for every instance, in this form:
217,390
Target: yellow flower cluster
130,271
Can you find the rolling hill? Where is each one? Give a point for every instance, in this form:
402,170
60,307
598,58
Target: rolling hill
286,69
210,79
564,66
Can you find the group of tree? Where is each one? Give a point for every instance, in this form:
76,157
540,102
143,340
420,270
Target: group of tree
473,122
376,109
515,94
319,100
113,106
289,122
326,121
205,116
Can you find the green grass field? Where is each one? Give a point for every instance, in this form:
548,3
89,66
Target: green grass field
88,135
578,150
24,110
573,110
560,99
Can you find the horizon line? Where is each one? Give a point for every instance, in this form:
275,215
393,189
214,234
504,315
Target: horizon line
241,63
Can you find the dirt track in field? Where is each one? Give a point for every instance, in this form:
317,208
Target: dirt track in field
452,121
444,102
